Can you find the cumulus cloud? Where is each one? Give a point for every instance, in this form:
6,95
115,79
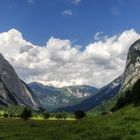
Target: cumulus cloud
67,12
61,63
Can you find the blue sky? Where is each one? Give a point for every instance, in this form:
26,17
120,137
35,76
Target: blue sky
77,20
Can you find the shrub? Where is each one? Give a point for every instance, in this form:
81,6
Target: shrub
79,114
5,115
58,115
46,115
11,115
26,114
64,115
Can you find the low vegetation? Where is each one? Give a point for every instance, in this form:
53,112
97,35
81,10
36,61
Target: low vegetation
120,125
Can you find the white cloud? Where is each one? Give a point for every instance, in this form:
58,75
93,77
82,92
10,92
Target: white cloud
76,1
60,63
97,36
67,12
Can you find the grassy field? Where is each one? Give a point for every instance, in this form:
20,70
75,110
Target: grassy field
121,125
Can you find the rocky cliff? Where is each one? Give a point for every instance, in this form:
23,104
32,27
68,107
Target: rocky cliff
129,93
13,91
132,70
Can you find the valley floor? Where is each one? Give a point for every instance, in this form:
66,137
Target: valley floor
121,125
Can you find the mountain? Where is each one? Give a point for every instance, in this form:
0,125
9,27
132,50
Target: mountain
103,95
132,70
13,91
51,97
127,88
131,79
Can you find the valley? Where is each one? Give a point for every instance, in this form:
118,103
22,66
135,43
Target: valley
121,125
69,70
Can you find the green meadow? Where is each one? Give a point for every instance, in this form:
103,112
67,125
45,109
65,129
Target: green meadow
121,125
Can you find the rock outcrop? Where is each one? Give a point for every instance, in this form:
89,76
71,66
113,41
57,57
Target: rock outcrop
131,78
13,91
132,70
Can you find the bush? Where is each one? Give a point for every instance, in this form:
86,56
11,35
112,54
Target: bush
11,115
5,115
46,115
26,114
58,115
52,115
79,114
64,115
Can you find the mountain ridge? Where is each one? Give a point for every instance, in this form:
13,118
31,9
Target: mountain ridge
13,91
130,84
52,97
104,94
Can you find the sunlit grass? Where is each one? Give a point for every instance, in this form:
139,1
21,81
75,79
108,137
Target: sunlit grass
51,118
121,125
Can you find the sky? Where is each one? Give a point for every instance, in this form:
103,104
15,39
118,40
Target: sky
68,42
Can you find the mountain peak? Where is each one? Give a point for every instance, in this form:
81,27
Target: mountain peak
132,70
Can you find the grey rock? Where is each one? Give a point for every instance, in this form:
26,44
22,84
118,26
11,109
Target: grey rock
132,70
13,91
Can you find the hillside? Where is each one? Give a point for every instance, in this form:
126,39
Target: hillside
51,97
103,95
13,91
129,93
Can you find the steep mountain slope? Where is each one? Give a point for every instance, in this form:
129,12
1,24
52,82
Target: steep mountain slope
131,77
51,97
14,91
132,70
103,95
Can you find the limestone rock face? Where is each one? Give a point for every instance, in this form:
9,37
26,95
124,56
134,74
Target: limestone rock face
130,77
132,70
13,90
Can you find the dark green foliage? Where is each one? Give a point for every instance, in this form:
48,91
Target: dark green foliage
11,115
5,115
123,100
52,115
46,115
14,111
136,93
64,115
26,114
59,116
79,114
130,97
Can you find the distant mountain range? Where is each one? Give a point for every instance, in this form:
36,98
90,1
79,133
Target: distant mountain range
102,95
51,97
